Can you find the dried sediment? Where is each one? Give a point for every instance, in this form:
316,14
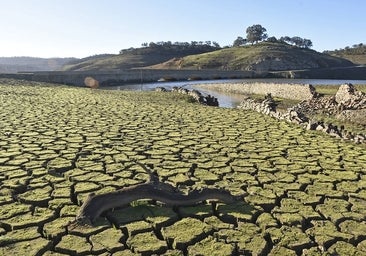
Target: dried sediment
306,192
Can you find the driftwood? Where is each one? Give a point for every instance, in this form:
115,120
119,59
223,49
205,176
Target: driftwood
95,205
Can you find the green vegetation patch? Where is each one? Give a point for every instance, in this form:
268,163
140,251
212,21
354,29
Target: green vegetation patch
186,232
325,233
38,217
147,244
10,210
199,211
344,248
16,236
100,224
39,196
32,247
137,227
235,212
74,245
109,240
56,227
290,237
355,228
59,165
334,209
160,216
210,246
247,236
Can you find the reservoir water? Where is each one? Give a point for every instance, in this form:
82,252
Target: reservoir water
227,100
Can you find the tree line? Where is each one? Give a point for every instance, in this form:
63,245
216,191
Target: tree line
179,46
254,34
356,49
257,33
168,44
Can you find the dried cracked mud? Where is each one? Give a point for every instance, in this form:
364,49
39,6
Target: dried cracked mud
306,191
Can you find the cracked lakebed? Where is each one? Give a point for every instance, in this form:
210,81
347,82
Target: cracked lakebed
306,191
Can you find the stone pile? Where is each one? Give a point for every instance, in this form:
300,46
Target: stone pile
350,98
268,107
160,89
346,99
196,95
326,105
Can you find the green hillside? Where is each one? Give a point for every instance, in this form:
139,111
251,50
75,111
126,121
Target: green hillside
357,59
356,53
138,57
265,56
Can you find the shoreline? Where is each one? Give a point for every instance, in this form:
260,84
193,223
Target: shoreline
282,90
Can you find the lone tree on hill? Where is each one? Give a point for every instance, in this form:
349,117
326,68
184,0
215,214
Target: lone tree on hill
256,33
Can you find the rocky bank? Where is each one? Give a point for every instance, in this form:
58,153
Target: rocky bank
196,95
348,104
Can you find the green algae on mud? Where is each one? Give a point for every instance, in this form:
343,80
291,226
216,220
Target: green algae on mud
57,144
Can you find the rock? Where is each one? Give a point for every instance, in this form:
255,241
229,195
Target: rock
311,125
196,95
160,89
91,82
345,93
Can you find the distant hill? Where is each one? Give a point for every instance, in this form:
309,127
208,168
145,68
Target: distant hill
356,53
264,56
29,64
138,57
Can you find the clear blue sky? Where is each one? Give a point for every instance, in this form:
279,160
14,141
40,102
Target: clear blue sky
80,28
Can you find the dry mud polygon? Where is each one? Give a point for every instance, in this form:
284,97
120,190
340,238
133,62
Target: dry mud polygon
306,191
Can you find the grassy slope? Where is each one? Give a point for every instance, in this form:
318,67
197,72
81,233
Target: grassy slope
355,58
356,54
134,58
277,57
271,56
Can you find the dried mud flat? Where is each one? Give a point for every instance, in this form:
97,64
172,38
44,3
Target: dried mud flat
306,191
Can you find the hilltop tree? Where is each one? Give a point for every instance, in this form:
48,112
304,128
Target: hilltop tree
307,43
239,41
272,39
285,39
256,33
298,41
216,45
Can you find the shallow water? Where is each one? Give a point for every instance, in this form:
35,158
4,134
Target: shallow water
228,100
